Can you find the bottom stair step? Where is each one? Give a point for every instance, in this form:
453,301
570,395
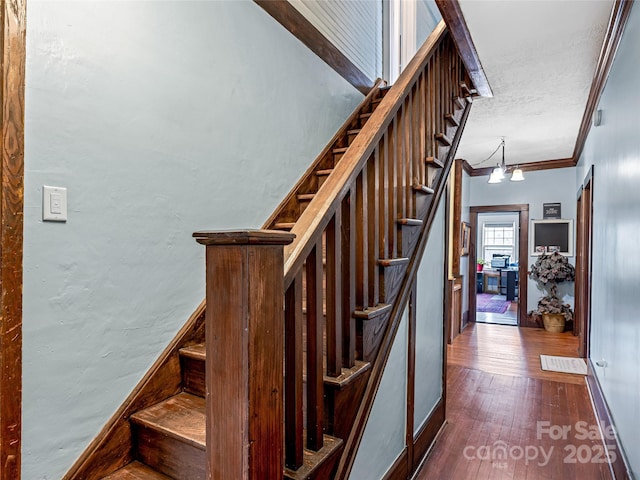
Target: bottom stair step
136,471
317,465
170,436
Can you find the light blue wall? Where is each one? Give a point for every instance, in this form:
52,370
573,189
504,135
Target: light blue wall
614,150
544,186
429,323
161,118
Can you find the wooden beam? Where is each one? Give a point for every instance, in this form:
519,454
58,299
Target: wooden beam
11,233
303,30
452,15
617,21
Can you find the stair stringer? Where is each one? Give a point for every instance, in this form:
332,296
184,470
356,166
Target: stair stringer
352,443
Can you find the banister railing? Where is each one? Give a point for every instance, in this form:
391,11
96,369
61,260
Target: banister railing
351,228
335,272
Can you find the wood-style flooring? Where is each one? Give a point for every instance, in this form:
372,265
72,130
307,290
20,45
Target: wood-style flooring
504,412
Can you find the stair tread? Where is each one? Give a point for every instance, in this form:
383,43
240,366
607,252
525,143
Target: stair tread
372,312
410,222
340,150
450,117
136,471
390,262
442,138
365,115
434,162
423,189
353,131
313,460
321,173
181,416
306,196
347,375
196,351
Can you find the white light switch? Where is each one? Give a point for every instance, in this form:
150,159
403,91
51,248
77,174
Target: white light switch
54,204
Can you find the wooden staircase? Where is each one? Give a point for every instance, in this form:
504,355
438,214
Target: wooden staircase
361,216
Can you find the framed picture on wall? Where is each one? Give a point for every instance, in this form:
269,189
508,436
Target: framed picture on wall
548,236
464,239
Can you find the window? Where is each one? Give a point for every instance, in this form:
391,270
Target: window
498,239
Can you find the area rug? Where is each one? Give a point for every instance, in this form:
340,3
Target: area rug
563,364
491,303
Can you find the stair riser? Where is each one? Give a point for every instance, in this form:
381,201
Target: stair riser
369,336
167,455
340,409
193,376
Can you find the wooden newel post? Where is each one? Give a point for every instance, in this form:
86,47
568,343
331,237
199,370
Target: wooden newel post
245,353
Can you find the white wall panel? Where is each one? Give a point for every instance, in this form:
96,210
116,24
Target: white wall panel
354,27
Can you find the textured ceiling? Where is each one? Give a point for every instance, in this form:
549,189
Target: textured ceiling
539,57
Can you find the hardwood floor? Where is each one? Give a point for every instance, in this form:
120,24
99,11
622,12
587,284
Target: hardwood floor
506,417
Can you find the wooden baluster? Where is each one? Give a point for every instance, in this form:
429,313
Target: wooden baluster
392,211
293,318
362,255
408,161
333,297
349,278
422,109
244,347
315,383
373,182
400,170
383,197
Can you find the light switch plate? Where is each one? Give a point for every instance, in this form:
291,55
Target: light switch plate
54,204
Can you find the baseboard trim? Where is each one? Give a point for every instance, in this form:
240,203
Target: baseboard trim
398,470
465,320
620,469
423,442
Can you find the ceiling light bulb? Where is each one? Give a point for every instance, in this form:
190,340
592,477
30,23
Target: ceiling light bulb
517,176
494,178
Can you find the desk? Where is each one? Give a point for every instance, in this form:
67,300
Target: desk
509,283
491,281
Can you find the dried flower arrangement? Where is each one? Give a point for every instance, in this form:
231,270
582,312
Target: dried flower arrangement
549,270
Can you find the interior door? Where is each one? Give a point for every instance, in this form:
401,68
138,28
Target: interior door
584,237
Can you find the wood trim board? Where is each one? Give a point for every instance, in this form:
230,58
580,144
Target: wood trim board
453,17
619,468
12,71
291,19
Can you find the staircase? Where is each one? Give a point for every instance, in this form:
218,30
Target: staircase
361,216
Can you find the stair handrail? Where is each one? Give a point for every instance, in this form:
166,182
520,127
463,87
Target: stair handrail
318,213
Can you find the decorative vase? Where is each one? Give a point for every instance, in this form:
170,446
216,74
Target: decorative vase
553,322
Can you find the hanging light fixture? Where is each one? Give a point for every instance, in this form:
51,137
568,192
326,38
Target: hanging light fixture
498,173
516,175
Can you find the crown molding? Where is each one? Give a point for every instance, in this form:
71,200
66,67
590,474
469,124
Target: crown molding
525,167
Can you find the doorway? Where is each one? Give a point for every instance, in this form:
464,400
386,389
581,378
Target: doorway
584,238
499,238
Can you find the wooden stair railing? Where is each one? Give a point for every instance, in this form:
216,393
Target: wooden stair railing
356,233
